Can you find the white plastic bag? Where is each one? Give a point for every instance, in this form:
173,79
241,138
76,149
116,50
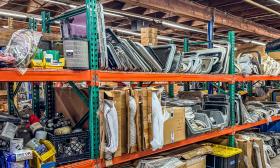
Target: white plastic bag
158,118
111,126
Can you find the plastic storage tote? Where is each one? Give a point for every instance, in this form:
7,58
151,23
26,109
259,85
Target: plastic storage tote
49,156
201,117
223,157
216,118
71,147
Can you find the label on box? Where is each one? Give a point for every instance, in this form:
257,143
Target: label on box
69,53
23,155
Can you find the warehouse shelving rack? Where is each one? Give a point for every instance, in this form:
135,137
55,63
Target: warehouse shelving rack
93,76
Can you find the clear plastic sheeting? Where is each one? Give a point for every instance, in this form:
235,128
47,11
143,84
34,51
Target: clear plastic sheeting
158,118
22,46
165,162
132,129
111,125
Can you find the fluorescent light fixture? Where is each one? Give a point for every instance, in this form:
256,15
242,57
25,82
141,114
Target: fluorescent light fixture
253,42
113,14
3,13
61,3
182,27
127,14
277,1
258,42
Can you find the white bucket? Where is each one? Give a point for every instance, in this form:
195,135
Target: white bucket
16,144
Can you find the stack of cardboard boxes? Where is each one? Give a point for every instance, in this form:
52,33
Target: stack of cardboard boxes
174,126
149,36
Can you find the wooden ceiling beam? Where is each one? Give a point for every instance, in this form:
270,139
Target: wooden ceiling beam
149,11
4,3
34,5
128,6
190,9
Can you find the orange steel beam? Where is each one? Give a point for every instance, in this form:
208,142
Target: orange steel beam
81,164
191,140
202,137
11,74
250,125
115,76
241,78
188,141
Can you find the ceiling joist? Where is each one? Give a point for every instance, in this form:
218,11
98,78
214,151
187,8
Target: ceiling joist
190,9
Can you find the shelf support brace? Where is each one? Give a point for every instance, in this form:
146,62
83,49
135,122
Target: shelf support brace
210,37
231,39
45,21
92,36
36,98
186,49
11,98
50,100
171,84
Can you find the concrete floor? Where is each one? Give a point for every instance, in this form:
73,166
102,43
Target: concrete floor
275,163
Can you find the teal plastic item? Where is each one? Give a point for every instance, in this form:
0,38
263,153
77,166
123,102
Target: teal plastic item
55,54
39,54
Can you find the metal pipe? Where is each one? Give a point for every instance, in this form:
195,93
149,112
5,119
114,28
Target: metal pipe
262,7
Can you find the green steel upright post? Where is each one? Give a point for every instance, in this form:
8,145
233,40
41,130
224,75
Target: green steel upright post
171,84
250,88
92,36
32,24
186,49
49,90
11,98
231,39
45,22
36,98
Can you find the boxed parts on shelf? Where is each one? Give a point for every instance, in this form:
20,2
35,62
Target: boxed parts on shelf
117,101
174,126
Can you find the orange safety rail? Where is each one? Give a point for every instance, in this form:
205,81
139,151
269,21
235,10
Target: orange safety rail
191,140
11,74
116,76
250,125
240,78
81,164
188,141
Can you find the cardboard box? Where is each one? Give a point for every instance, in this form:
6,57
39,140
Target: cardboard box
149,36
197,162
260,143
119,98
245,158
149,42
149,30
138,99
275,55
175,126
145,119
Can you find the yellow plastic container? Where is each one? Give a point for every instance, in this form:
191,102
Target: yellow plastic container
225,151
59,65
36,63
49,156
